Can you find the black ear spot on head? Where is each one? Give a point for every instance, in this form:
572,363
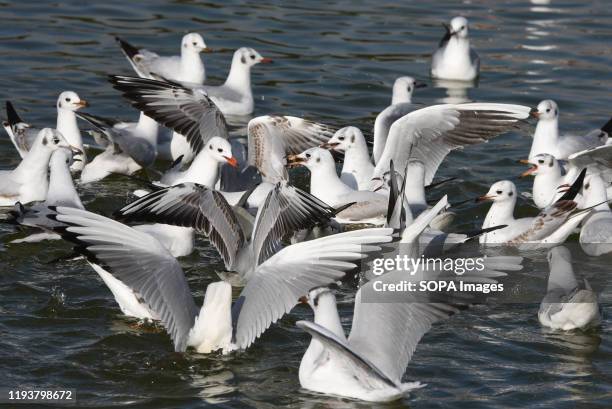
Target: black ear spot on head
510,194
550,165
210,147
318,160
556,112
44,141
243,60
352,138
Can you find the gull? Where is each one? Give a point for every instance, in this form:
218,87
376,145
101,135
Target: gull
386,328
547,181
28,181
552,225
568,305
357,168
455,59
129,147
235,96
596,231
431,133
401,104
189,112
285,210
270,139
61,192
546,138
204,169
146,279
549,177
188,67
368,207
23,135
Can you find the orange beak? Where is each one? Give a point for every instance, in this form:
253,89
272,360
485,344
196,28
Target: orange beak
231,161
207,50
82,104
266,61
529,171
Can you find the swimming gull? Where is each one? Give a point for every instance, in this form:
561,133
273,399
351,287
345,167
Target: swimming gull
455,59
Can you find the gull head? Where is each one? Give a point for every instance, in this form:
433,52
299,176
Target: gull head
52,139
311,158
344,139
546,110
249,57
194,42
541,164
315,295
458,27
221,151
62,158
70,100
403,87
502,191
593,191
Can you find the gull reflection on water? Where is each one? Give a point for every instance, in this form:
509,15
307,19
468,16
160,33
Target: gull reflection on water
456,91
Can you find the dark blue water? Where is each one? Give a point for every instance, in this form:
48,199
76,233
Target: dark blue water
335,62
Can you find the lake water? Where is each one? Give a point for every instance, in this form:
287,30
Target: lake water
335,62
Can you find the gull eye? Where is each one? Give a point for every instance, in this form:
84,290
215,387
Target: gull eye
219,150
252,57
67,99
308,155
55,141
547,109
341,138
541,161
194,43
499,192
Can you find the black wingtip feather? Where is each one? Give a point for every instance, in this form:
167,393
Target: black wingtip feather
12,116
607,128
127,48
573,191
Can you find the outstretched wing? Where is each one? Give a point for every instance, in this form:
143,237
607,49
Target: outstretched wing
431,133
191,205
139,261
187,111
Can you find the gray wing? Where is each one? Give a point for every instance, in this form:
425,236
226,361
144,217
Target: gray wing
431,133
286,209
275,286
191,205
360,364
387,327
187,111
140,262
271,138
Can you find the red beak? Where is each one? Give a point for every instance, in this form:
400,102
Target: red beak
232,161
266,61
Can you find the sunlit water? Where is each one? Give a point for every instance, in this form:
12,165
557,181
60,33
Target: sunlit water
335,62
